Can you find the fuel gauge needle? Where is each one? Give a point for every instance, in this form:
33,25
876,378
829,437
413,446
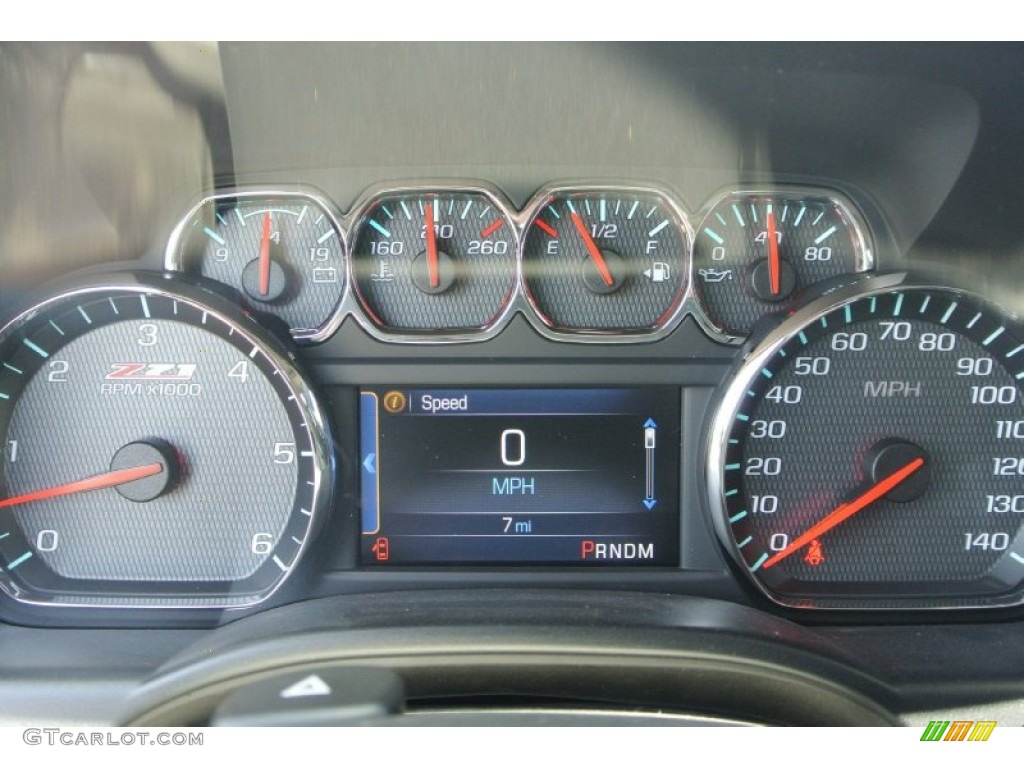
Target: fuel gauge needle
593,250
846,510
94,483
774,271
265,256
433,275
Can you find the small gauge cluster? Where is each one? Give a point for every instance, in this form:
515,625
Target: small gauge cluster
584,263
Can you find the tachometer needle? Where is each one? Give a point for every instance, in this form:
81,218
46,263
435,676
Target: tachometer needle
265,256
774,271
595,252
433,274
94,483
847,510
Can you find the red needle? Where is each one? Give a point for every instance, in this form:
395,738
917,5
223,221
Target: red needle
847,510
494,227
435,278
265,256
552,232
595,252
774,273
94,483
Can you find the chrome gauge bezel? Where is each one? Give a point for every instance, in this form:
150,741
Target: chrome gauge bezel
681,303
305,400
356,220
519,301
174,256
723,419
861,234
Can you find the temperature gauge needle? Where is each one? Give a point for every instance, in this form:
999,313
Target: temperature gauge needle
433,274
94,483
846,510
774,271
265,256
593,250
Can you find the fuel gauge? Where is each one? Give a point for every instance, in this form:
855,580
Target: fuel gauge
605,261
283,252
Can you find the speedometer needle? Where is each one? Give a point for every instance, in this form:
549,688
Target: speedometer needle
774,276
595,252
265,256
94,483
433,275
847,510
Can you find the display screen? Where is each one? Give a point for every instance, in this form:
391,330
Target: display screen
520,476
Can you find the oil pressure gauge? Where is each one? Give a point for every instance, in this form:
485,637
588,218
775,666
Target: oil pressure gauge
282,251
755,251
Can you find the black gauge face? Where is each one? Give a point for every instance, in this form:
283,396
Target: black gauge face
155,452
873,457
755,252
284,254
435,262
604,260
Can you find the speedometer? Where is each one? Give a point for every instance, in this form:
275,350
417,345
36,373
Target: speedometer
869,454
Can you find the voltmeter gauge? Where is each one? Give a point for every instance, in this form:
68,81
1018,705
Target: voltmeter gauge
284,253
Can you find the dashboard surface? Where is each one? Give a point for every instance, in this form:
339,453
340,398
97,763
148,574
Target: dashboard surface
598,559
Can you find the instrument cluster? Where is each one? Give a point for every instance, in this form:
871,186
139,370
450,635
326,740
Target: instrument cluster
860,450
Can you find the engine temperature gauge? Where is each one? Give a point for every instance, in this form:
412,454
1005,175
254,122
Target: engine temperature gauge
435,262
282,251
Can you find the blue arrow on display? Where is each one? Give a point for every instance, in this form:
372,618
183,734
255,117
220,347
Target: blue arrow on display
650,439
368,463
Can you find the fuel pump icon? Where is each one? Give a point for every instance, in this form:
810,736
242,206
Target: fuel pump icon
659,272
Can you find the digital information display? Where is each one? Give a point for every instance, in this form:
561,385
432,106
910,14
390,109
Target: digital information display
520,476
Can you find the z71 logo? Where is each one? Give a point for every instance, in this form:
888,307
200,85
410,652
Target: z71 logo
151,372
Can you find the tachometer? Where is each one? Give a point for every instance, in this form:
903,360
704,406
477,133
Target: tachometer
157,450
870,453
